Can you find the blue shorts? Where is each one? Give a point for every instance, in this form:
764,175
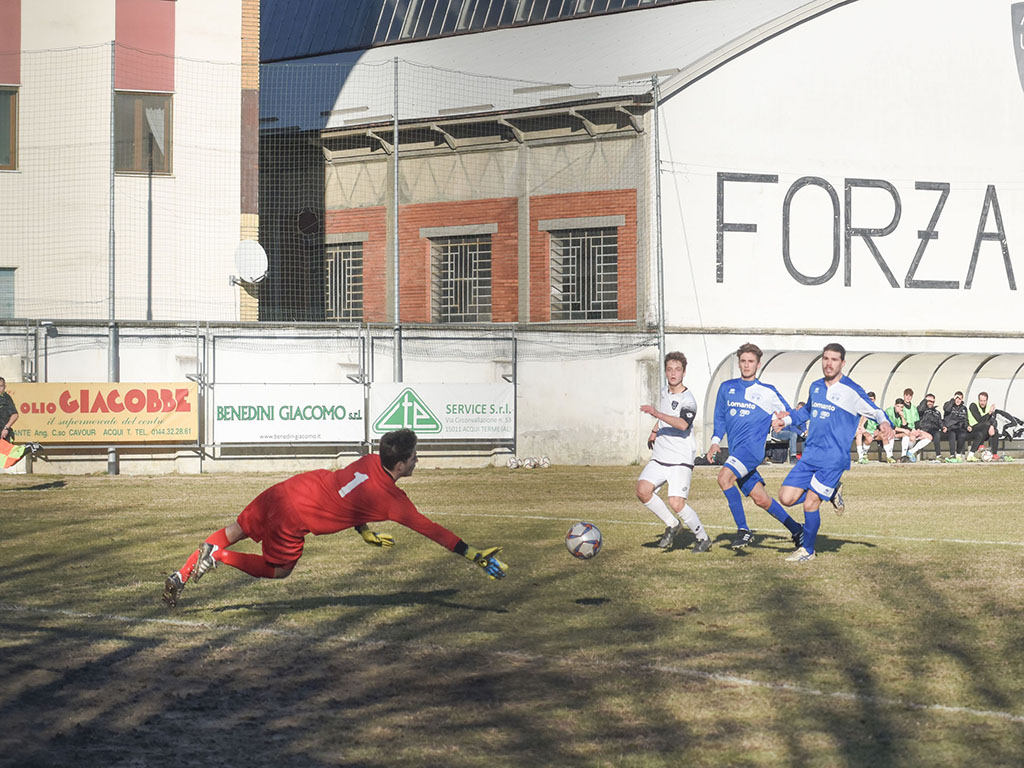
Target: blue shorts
744,464
819,480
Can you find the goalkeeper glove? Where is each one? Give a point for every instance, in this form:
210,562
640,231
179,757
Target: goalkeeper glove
375,539
485,558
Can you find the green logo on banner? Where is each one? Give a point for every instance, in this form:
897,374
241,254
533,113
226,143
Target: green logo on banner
407,411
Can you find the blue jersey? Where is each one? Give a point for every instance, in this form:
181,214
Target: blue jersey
744,411
832,414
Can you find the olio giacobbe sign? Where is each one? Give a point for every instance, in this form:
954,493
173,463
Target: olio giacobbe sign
106,413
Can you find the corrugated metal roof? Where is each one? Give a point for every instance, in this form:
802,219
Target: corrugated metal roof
594,55
300,28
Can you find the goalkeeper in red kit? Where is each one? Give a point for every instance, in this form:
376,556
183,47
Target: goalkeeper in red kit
325,501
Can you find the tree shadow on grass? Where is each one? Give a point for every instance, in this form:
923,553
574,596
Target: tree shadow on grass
36,487
437,597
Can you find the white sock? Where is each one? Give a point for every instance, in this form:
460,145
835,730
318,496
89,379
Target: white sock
693,522
888,448
860,450
658,506
920,444
905,444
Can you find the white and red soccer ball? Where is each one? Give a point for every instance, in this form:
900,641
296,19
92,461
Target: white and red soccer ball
583,540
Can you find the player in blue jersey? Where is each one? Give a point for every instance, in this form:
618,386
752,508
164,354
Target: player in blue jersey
833,410
743,411
674,450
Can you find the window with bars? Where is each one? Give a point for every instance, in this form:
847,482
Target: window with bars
344,281
585,274
461,279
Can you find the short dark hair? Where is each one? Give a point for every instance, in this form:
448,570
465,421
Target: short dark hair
752,348
678,357
983,393
958,393
835,347
3,380
899,401
871,395
397,446
908,390
931,396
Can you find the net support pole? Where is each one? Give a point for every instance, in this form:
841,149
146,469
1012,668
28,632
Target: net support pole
112,351
658,250
394,234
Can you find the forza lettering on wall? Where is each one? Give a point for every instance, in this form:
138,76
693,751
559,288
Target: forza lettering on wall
990,228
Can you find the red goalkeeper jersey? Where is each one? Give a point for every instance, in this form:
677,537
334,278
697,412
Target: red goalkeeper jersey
325,501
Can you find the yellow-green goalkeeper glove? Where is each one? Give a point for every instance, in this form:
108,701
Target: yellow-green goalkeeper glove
375,539
485,558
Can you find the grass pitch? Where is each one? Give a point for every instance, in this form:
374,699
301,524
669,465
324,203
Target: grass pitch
900,645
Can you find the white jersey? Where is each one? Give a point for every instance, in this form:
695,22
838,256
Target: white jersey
672,445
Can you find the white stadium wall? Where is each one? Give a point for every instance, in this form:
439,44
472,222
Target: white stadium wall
893,127
859,178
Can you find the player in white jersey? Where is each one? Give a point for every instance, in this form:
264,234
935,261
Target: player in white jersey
743,410
672,458
833,410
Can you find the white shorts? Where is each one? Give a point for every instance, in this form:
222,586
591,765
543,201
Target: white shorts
677,476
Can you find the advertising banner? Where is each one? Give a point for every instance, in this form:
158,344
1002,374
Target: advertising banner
64,412
444,411
288,413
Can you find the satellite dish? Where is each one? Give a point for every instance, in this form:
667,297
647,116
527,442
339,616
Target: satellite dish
250,262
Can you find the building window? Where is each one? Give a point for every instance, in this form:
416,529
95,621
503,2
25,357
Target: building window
461,279
143,132
6,292
345,282
8,129
585,274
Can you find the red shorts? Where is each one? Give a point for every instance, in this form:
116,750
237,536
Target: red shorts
262,521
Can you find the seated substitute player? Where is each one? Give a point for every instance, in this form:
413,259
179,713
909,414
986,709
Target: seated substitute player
833,410
325,501
743,411
867,433
674,450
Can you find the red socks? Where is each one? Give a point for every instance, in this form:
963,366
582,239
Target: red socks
254,565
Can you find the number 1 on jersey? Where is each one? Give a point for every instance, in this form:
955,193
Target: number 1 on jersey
350,486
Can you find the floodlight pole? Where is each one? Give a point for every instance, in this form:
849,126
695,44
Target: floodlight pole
394,234
659,255
112,352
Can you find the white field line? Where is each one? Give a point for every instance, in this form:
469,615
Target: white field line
781,531
696,674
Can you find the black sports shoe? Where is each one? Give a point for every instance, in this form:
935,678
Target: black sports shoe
668,537
743,538
172,589
798,538
702,545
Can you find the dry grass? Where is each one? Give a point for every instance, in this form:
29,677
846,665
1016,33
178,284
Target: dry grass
899,645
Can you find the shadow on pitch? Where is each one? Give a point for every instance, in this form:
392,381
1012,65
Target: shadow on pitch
37,487
437,597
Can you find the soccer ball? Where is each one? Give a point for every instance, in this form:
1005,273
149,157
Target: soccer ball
986,456
512,463
583,540
529,462
544,462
